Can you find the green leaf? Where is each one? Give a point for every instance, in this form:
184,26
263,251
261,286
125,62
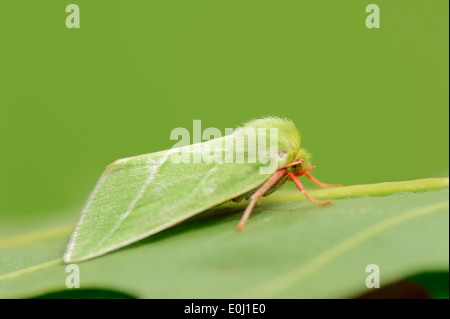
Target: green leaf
289,248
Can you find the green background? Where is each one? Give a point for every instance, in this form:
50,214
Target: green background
371,104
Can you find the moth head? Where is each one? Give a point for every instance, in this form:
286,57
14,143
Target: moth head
306,156
304,162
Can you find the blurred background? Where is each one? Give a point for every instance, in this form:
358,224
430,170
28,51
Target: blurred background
371,104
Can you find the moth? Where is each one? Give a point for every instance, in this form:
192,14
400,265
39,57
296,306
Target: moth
139,196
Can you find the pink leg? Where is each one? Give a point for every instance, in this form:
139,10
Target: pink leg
259,193
305,171
318,183
302,189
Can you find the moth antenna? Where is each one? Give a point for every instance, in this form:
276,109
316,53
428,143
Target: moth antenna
295,163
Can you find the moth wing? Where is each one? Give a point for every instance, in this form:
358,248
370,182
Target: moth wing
139,196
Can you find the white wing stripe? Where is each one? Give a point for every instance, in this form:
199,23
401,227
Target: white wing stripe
154,166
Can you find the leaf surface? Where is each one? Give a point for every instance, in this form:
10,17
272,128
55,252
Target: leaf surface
289,249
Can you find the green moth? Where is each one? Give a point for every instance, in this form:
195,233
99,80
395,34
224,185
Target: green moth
142,195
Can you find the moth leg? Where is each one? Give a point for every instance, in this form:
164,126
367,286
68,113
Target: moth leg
259,193
305,171
302,189
319,183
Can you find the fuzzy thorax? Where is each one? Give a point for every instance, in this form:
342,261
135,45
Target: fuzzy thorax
288,138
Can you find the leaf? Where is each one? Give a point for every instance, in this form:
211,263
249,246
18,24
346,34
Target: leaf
289,249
